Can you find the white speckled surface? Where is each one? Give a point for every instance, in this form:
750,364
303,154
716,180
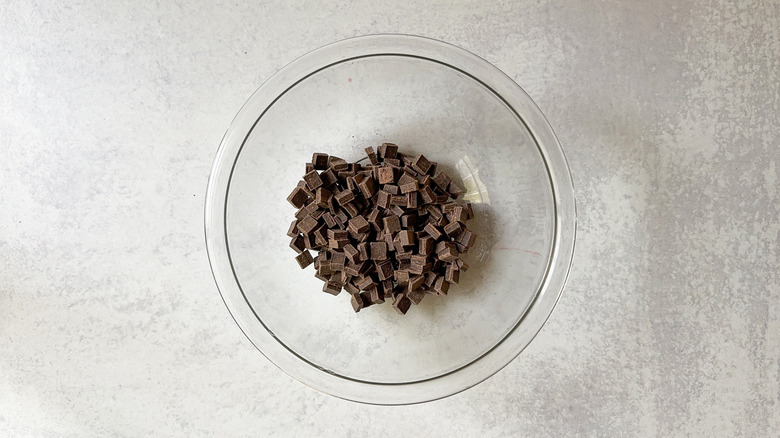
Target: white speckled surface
110,324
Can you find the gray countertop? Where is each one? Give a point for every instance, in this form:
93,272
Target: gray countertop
110,322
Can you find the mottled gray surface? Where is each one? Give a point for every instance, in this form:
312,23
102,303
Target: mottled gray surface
110,323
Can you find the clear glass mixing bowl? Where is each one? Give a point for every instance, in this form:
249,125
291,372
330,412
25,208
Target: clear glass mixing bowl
428,97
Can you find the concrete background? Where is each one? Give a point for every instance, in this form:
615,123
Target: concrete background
111,325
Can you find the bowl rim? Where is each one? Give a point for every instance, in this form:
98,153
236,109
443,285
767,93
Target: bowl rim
514,97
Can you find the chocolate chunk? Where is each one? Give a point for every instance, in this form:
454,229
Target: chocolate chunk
309,167
401,277
332,288
297,244
351,253
455,190
441,286
430,279
307,225
406,238
321,197
298,198
407,183
425,245
302,185
351,209
362,248
357,302
415,296
319,161
383,199
376,295
351,288
452,274
442,180
371,155
427,196
411,200
293,230
400,200
392,224
386,175
388,150
384,270
433,232
344,197
312,179
452,229
466,238
448,255
397,210
337,164
458,214
401,304
367,187
378,250
328,178
408,220
359,224
421,164
391,189
304,259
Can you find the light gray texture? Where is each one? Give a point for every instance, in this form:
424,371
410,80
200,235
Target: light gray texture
110,114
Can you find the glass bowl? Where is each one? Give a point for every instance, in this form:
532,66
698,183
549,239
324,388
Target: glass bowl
428,97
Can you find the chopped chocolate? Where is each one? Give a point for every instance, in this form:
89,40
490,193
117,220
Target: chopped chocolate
357,302
433,231
307,225
391,189
388,229
452,274
392,224
319,161
415,296
421,164
298,198
297,244
304,259
441,286
328,178
371,156
401,304
386,175
344,197
332,288
359,224
388,150
293,230
453,228
378,250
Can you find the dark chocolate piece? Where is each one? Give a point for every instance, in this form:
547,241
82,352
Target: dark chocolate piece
378,250
421,164
293,230
386,175
433,232
401,304
312,179
298,198
319,161
371,155
297,244
388,150
304,259
307,225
